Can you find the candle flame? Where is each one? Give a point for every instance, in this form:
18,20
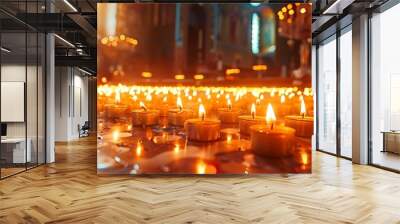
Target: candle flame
302,108
141,104
139,148
201,167
179,103
270,116
148,97
134,97
229,138
165,99
202,112
304,158
176,149
117,96
115,135
283,98
253,110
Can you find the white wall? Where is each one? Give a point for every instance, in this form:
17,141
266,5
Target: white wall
71,102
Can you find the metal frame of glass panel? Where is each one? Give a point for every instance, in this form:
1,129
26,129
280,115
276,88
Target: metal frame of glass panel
39,53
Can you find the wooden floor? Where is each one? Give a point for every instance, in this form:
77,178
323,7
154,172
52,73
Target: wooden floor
69,191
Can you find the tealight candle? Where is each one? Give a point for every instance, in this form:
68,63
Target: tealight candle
115,110
228,115
270,140
145,116
246,121
202,129
178,116
164,107
303,125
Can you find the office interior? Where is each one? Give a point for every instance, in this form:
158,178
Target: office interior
48,80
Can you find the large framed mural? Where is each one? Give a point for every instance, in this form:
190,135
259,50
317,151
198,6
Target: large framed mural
204,88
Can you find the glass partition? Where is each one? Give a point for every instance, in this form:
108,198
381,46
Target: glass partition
22,91
346,93
385,88
327,96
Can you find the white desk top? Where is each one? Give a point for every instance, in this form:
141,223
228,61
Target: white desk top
13,140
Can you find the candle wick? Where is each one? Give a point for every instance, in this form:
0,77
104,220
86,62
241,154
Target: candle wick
180,109
272,126
252,115
303,115
202,117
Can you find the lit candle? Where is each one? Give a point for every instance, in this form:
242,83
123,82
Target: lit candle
178,116
271,140
245,122
303,124
228,115
145,116
202,128
115,136
164,107
203,168
139,148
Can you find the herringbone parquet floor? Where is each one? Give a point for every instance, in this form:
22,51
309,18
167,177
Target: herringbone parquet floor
69,191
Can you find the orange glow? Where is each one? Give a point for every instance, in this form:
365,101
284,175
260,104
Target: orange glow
104,80
304,158
283,99
165,99
147,74
198,76
291,12
149,97
231,71
177,149
260,67
141,104
201,167
303,10
129,127
139,148
179,103
179,77
115,136
302,108
229,103
289,6
202,112
284,9
131,41
253,110
117,97
229,138
270,116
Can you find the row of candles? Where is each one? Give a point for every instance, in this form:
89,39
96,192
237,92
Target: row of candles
269,137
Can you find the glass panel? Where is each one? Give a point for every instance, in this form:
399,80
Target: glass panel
31,97
41,98
386,89
327,97
346,94
13,80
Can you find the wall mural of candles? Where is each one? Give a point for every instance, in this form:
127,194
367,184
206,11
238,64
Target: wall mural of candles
204,88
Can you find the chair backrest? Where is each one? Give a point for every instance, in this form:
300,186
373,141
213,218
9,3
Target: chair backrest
86,125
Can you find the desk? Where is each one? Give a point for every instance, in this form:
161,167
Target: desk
13,150
391,141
